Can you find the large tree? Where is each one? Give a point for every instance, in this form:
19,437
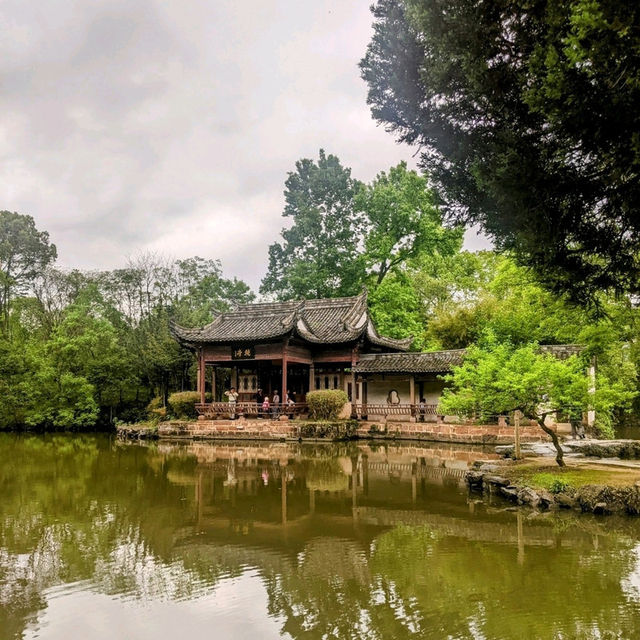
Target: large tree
526,114
402,222
319,254
500,378
24,254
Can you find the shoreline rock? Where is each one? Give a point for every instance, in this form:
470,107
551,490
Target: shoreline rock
623,449
590,498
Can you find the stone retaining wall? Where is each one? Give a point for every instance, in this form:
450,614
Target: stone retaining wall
471,434
279,430
231,429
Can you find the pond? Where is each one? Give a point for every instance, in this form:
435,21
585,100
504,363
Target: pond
101,539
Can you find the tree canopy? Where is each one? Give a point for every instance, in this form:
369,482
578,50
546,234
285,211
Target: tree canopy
24,253
318,255
526,116
498,378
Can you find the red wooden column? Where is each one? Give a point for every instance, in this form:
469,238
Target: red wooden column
201,373
283,391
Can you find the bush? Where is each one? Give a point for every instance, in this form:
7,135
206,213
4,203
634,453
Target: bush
183,404
326,405
558,486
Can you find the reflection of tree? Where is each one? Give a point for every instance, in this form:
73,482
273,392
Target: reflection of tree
124,518
325,475
325,593
74,508
418,583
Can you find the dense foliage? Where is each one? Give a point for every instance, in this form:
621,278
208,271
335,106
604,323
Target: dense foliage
527,120
498,378
81,349
326,404
346,235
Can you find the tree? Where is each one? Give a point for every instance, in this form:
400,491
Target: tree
319,254
402,222
527,118
24,253
497,378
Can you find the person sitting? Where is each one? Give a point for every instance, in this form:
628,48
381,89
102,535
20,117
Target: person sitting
290,402
422,409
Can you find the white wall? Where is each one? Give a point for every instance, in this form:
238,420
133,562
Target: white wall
378,389
431,392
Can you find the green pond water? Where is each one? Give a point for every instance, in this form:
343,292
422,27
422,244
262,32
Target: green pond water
101,539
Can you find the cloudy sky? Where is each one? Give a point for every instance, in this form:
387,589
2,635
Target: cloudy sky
155,125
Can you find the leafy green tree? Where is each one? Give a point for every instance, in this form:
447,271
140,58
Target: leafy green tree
527,118
396,309
319,254
497,378
402,222
24,253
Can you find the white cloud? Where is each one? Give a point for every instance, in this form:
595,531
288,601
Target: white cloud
130,127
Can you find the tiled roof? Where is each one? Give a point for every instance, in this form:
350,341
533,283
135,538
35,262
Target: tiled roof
430,362
321,321
438,361
562,351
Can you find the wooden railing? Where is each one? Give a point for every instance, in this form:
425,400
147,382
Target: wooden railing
426,412
250,410
421,413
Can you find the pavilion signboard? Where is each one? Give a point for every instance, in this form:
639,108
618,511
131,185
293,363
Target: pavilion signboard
243,352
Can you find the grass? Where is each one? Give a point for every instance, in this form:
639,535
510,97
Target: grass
541,475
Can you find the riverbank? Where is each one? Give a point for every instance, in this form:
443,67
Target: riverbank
309,430
582,485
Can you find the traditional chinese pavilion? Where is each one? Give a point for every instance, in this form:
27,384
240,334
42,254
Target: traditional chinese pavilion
329,343
297,346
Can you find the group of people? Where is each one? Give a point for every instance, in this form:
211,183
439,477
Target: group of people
273,406
266,407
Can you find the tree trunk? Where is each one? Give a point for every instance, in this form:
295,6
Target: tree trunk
554,438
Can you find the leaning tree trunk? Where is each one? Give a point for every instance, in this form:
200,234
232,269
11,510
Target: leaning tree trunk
554,438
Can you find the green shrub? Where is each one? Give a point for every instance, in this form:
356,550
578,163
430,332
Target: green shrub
558,486
183,404
326,405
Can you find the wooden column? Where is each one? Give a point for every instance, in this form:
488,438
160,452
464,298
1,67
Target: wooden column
283,391
591,414
412,394
354,361
312,377
234,378
201,383
213,384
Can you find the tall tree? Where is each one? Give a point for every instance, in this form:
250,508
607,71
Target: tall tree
500,378
24,253
526,114
402,221
319,254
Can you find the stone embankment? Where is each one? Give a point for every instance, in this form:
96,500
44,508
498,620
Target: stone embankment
137,432
622,449
598,499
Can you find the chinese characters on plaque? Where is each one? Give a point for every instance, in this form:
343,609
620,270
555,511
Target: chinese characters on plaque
243,352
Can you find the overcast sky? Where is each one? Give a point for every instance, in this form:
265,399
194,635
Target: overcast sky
169,126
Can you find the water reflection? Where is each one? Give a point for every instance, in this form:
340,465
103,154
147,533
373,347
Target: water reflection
295,541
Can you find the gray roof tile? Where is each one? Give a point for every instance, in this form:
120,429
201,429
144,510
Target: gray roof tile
321,321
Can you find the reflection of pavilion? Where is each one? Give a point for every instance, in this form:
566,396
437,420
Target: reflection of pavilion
352,496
